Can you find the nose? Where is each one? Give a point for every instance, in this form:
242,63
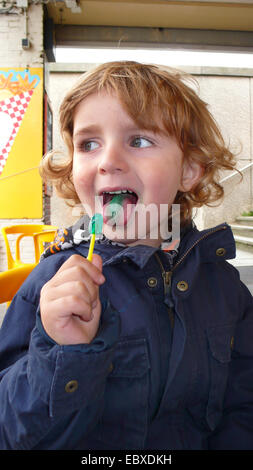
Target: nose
113,160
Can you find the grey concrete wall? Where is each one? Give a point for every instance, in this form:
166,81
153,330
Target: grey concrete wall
228,93
230,102
12,31
61,214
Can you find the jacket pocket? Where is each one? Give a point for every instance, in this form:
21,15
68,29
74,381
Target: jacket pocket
220,340
123,424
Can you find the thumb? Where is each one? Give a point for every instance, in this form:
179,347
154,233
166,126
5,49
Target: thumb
97,261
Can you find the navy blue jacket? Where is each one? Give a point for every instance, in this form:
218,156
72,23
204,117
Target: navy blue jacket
171,366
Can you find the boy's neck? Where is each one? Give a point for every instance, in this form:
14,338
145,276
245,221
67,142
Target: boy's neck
146,242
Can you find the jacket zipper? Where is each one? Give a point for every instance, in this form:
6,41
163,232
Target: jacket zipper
167,275
210,232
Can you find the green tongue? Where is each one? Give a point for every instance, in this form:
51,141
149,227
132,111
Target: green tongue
117,199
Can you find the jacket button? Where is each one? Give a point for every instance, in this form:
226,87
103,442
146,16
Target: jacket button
220,251
71,386
152,282
182,286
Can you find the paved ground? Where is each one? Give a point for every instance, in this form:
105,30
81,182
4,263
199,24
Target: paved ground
2,312
244,263
246,273
243,258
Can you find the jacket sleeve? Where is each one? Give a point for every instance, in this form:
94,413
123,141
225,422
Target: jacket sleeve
235,430
42,383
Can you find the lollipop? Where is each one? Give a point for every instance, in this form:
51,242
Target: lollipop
95,227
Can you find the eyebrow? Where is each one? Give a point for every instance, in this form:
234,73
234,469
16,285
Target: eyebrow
92,129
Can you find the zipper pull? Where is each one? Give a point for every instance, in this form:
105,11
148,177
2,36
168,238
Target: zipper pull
167,281
168,300
167,288
166,275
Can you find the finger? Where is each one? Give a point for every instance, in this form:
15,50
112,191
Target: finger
97,261
87,291
82,265
72,305
73,274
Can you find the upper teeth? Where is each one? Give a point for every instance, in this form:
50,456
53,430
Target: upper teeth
119,192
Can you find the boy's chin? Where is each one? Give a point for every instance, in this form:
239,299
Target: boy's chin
124,236
118,234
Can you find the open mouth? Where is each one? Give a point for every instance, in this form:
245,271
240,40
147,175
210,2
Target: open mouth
120,195
118,205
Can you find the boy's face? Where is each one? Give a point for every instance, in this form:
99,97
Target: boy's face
112,154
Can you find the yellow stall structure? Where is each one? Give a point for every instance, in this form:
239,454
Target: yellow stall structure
21,143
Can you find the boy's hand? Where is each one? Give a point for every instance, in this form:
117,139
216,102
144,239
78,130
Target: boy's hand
69,303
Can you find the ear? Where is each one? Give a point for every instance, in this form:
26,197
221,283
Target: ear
191,174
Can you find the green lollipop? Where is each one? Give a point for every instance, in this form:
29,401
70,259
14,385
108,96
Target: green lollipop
95,227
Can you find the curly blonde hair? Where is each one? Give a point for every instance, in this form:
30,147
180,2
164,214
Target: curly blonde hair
145,92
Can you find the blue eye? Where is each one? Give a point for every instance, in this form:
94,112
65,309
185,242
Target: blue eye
140,142
90,145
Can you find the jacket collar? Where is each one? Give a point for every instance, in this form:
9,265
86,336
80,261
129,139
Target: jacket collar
209,245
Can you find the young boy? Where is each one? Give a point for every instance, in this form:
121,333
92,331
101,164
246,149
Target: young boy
142,348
